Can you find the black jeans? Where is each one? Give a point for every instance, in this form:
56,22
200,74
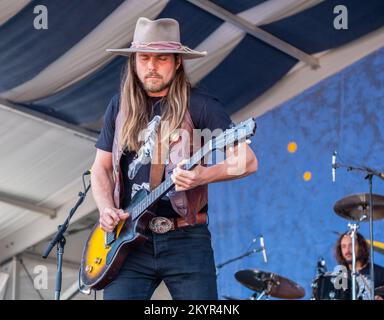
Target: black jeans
183,258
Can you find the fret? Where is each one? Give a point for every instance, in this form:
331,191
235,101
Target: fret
168,182
153,195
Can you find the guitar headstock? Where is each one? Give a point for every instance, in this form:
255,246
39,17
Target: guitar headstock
238,133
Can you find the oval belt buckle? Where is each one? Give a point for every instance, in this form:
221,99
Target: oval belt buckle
160,224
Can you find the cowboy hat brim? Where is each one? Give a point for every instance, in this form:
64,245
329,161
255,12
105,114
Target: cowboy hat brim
190,54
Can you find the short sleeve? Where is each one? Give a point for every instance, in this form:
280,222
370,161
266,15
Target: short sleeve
105,140
213,115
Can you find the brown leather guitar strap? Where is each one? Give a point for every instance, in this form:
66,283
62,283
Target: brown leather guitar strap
157,165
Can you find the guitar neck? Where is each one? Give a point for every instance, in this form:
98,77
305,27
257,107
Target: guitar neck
157,193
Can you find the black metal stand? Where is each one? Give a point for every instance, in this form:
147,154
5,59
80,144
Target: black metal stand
60,240
372,272
370,173
246,254
353,229
60,252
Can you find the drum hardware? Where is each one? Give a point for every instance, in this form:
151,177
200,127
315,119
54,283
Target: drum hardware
374,204
252,297
249,252
326,286
353,229
268,284
321,267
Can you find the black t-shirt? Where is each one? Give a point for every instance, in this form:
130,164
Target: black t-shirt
206,113
378,274
363,281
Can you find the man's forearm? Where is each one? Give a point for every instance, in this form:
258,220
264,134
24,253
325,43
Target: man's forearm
234,167
102,188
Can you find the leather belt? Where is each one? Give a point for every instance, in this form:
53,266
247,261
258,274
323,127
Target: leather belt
163,224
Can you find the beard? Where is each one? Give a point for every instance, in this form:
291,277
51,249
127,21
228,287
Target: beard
349,259
156,86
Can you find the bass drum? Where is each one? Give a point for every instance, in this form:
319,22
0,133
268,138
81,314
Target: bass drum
327,286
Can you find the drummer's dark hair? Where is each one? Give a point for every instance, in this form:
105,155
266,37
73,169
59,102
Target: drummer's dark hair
362,255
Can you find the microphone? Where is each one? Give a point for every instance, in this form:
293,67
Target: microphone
321,266
334,166
262,245
86,173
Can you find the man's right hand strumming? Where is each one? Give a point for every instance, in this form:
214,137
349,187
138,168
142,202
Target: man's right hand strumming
110,217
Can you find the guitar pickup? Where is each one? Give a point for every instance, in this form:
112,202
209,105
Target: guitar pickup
109,238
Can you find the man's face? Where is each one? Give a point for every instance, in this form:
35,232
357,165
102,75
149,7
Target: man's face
346,248
156,71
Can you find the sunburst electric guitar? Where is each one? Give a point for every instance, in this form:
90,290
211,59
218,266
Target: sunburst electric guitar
104,252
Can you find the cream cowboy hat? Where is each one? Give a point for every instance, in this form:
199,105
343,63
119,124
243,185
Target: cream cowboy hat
158,36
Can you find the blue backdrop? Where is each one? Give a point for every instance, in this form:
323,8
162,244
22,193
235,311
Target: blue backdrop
296,217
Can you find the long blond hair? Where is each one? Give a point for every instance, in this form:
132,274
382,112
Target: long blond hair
136,109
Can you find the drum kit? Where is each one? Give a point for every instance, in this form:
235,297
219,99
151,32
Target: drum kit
264,284
355,208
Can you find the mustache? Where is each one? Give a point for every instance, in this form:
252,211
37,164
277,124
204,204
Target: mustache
153,75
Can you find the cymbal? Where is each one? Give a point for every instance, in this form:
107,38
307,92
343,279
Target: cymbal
274,284
356,207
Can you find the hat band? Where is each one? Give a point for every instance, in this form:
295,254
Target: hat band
158,45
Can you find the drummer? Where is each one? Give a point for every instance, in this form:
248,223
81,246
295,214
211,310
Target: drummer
343,253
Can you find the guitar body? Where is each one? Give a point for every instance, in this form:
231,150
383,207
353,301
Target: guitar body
100,264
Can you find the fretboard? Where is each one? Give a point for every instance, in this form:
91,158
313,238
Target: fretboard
168,183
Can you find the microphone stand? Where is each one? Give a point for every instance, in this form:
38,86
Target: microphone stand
353,229
370,173
60,240
248,253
